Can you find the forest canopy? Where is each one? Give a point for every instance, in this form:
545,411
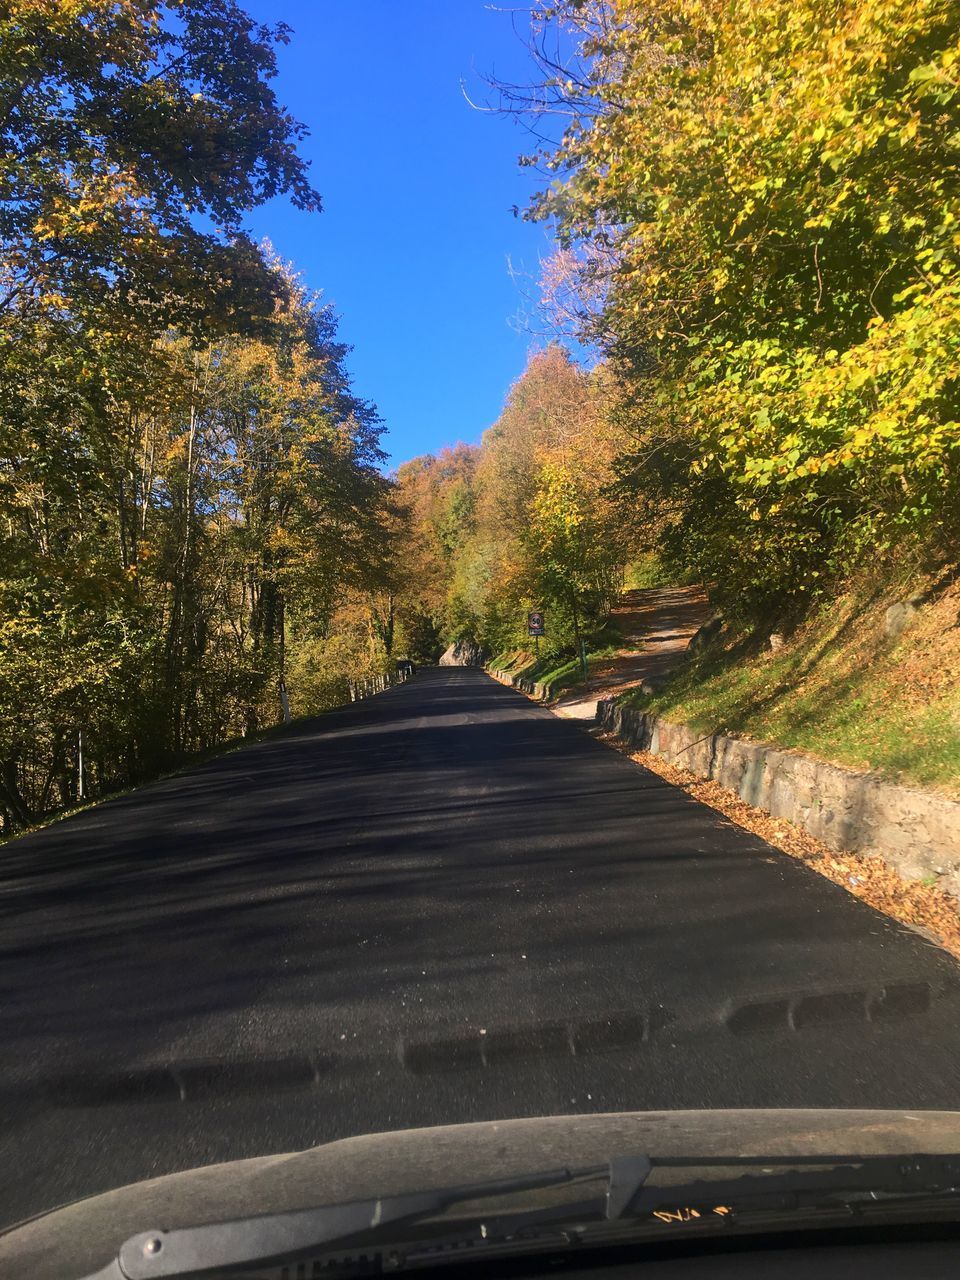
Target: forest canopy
190,490
759,206
756,210
525,520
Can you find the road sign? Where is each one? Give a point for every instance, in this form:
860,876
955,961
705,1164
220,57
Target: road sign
535,623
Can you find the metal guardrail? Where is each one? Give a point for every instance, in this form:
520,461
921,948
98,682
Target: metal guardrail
370,685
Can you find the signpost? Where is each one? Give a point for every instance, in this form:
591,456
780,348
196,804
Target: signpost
535,627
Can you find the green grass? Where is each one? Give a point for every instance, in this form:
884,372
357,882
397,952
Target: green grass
556,671
839,691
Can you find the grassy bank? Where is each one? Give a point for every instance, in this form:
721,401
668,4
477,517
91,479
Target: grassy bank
839,688
558,671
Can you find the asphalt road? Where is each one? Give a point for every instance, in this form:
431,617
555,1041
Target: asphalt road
442,904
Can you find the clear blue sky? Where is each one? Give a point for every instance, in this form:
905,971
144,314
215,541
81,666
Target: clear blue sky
414,240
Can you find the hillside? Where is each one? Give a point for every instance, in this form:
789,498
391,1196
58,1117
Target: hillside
645,635
840,687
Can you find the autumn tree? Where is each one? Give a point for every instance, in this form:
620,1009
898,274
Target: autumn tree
135,134
438,495
777,191
188,484
528,519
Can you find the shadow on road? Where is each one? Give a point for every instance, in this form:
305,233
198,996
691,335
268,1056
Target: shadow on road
440,904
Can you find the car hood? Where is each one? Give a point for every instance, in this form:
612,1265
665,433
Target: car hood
84,1236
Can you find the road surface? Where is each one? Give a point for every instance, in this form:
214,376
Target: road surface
441,904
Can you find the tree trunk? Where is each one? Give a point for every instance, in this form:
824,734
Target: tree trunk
576,632
20,812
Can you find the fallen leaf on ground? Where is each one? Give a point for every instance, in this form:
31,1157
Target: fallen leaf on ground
866,876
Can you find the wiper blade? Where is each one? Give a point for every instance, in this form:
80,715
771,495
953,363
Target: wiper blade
808,1179
803,1183
192,1251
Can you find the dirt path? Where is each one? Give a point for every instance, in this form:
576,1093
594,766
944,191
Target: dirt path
656,624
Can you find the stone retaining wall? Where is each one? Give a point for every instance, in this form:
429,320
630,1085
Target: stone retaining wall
535,688
918,832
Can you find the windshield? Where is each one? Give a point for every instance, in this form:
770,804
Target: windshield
479,510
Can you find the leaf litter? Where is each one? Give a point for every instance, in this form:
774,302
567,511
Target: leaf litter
923,906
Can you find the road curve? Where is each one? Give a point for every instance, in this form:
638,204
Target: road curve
442,904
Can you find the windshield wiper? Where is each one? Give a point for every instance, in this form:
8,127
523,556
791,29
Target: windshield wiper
808,1180
811,1183
190,1251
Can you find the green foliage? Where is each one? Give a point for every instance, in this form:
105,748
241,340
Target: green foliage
525,521
557,668
779,189
123,124
322,669
189,491
838,689
165,543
